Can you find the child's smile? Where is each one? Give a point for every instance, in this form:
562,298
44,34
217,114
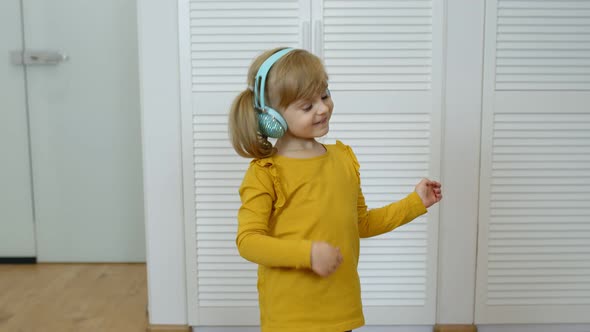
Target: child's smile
322,122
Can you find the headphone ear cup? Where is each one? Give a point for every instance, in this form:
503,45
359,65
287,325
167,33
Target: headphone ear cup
271,123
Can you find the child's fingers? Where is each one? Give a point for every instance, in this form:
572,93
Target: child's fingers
431,183
333,268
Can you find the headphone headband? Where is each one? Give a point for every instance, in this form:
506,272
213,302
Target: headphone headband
260,80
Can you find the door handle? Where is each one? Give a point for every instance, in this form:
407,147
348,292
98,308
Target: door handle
37,57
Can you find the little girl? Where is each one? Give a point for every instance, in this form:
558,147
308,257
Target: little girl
303,211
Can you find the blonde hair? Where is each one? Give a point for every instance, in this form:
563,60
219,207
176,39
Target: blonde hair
297,75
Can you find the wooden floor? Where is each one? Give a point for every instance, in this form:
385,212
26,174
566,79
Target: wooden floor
73,297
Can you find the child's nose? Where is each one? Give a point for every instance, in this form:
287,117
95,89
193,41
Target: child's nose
323,107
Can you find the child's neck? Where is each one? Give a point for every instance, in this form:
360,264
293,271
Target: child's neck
294,147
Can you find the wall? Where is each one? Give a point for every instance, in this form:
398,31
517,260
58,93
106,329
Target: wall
159,80
460,162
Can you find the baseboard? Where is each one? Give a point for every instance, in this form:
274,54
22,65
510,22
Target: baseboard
168,328
535,328
18,260
454,328
368,328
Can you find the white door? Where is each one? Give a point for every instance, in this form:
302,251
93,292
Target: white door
84,130
385,79
17,236
221,40
534,232
385,62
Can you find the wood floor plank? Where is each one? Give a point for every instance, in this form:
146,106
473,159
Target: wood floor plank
73,297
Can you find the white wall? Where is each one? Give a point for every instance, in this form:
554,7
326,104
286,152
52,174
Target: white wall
460,162
159,85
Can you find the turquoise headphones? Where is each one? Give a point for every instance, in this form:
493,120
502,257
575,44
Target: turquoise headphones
270,122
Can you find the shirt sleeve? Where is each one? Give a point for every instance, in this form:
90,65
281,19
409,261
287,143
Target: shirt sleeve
385,219
254,243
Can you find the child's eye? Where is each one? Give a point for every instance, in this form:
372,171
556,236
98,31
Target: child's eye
325,96
307,108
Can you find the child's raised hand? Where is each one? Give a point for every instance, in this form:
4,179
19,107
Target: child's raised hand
325,258
429,191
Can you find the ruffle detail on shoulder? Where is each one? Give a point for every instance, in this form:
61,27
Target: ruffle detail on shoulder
268,163
351,155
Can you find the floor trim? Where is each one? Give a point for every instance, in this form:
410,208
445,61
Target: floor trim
18,260
454,328
168,328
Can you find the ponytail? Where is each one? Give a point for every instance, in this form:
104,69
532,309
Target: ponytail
243,128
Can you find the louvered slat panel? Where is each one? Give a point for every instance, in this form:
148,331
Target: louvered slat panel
393,150
539,228
227,35
378,45
224,278
543,45
534,256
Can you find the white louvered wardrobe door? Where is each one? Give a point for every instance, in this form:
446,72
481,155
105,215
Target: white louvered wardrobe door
384,59
534,235
218,41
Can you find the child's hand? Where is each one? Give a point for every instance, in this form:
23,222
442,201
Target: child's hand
325,259
429,191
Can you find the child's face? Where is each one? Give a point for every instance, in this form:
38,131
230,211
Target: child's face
310,118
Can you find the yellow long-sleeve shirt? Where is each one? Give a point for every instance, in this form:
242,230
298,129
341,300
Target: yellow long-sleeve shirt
287,204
